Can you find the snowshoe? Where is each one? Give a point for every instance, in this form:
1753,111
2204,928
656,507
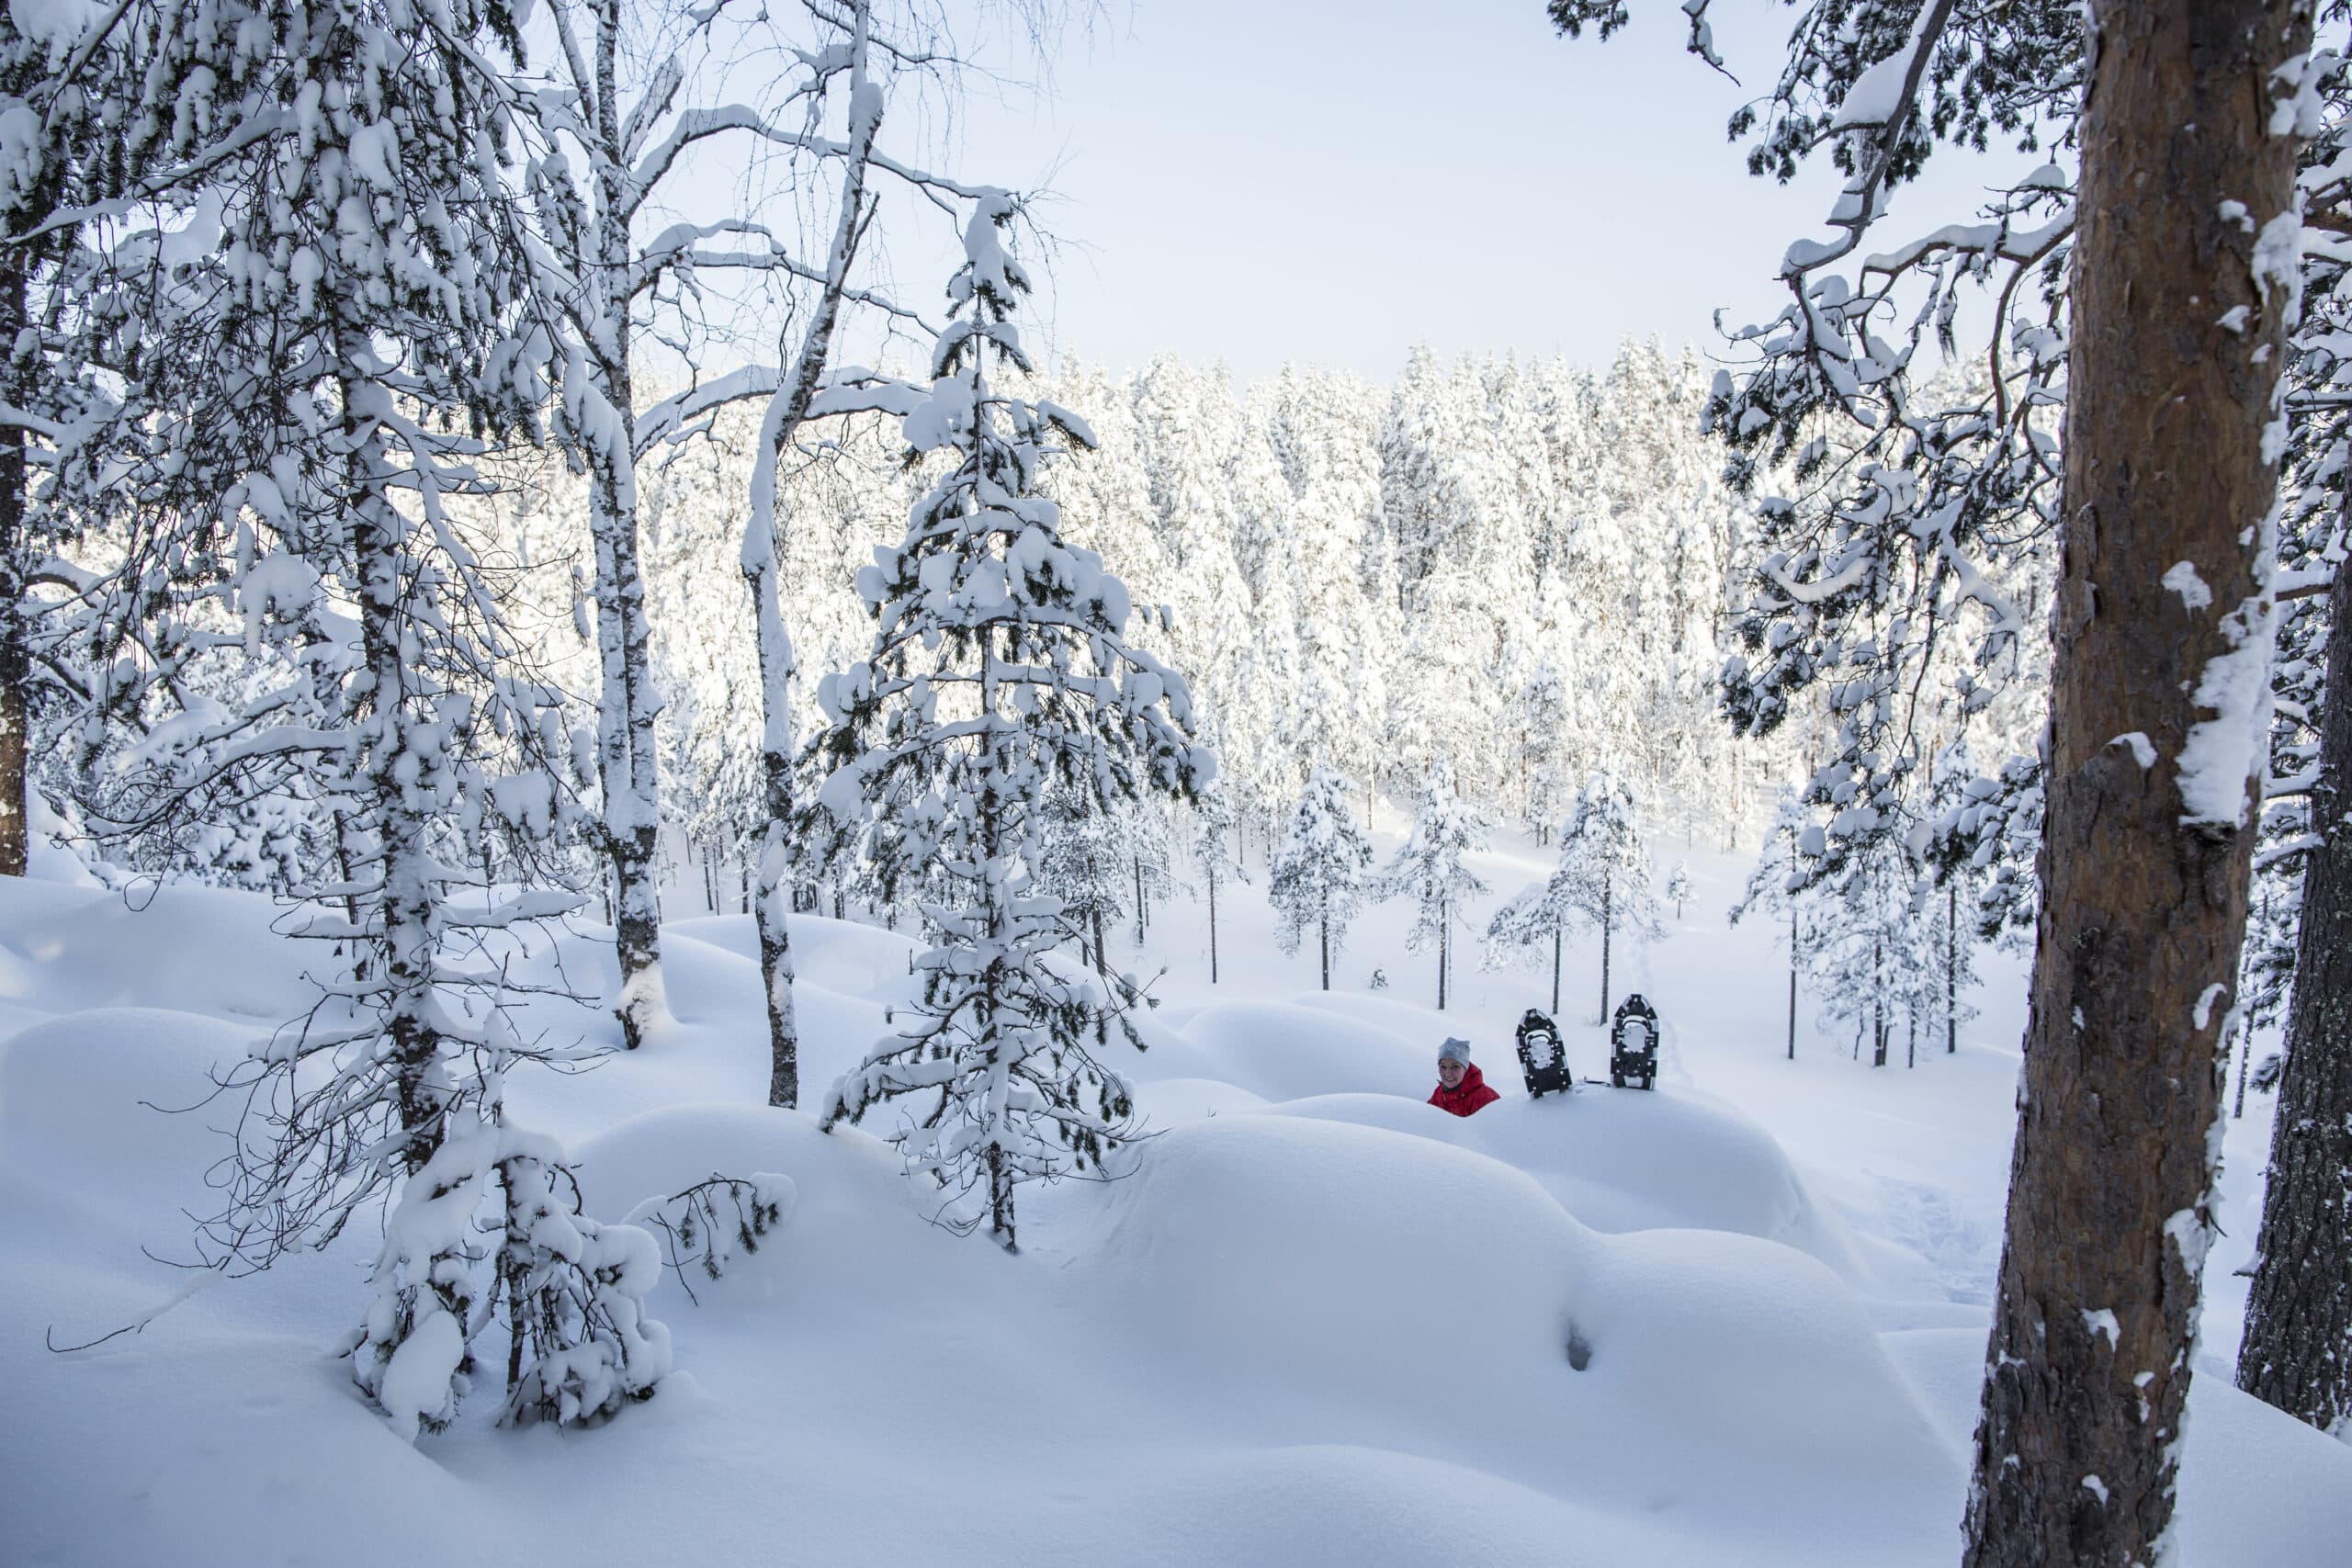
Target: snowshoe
1542,1058
1633,1044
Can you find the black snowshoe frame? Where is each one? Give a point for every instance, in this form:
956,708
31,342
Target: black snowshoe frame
1633,1044
1542,1057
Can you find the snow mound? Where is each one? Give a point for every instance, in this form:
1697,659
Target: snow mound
857,1231
191,949
83,1103
1372,1507
851,958
1317,1275
1627,1160
1359,1241
1284,1051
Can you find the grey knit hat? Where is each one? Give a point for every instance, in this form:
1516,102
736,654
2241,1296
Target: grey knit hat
1455,1051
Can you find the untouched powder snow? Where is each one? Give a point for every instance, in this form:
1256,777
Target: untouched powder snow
1320,1322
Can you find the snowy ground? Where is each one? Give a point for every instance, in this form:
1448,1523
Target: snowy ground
1323,1323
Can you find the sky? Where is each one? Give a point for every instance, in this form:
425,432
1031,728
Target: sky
1335,183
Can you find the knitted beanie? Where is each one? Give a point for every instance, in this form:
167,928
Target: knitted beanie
1455,1051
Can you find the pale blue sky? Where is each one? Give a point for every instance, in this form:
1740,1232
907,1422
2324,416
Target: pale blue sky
1331,183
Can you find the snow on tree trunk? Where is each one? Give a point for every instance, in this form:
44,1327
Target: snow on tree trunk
1793,981
2161,629
1607,922
2297,1353
16,665
405,751
1212,878
1951,968
786,411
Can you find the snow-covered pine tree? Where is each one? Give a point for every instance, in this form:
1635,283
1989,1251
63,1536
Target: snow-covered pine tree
1428,869
1216,855
1318,878
1874,960
1544,710
1677,887
1955,929
1080,862
1141,832
117,115
321,382
1780,886
1000,672
1605,865
1539,913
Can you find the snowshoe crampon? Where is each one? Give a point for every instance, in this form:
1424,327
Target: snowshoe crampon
1633,1044
1542,1058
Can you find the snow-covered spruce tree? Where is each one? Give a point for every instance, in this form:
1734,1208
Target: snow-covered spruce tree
1318,878
1543,708
1873,956
1078,862
2168,263
1779,885
1677,887
1000,672
1955,926
1539,913
112,113
1428,869
1216,855
1605,866
318,385
1142,835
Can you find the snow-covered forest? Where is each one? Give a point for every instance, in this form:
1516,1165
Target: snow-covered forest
627,801
1519,568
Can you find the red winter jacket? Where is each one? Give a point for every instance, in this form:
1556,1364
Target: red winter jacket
1471,1094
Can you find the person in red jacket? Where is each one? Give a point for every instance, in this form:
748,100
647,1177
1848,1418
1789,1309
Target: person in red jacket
1460,1087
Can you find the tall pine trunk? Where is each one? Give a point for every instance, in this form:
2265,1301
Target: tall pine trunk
1951,969
2144,910
2297,1353
1793,981
1607,886
1556,971
1878,1006
1323,931
1212,925
15,664
406,914
1443,933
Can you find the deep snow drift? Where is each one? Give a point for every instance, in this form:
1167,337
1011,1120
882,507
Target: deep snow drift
1320,1322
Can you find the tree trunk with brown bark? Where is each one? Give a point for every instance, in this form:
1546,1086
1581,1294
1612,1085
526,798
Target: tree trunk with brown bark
2297,1353
2136,952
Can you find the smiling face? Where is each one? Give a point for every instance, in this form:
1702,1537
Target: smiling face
1449,1073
